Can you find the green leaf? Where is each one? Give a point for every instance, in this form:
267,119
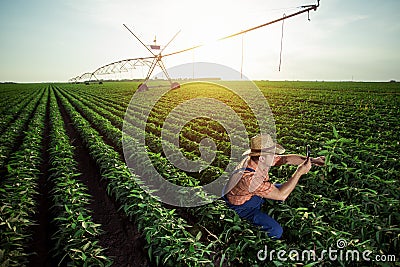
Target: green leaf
236,228
335,132
312,264
191,248
9,168
86,246
67,209
198,236
222,260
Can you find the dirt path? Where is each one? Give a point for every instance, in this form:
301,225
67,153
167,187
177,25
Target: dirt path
123,242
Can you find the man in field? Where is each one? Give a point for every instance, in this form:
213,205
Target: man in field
249,184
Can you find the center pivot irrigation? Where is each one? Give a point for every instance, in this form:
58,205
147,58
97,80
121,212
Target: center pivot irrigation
156,54
157,60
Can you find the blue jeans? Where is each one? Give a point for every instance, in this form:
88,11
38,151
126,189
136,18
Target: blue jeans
251,210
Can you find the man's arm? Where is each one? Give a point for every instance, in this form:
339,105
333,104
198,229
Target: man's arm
294,159
284,191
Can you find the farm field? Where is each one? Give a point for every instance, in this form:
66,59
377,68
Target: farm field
68,197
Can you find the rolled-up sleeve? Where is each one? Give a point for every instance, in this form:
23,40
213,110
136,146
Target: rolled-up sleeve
264,189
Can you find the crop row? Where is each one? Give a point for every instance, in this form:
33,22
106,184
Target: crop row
355,197
349,171
13,108
76,233
114,134
18,190
168,240
155,144
165,105
162,165
153,140
76,240
193,132
10,137
293,134
216,222
11,97
286,132
350,180
364,151
191,136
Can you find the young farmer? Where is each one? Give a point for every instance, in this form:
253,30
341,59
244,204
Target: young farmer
249,184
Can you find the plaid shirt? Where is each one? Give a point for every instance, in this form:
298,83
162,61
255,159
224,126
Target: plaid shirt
241,193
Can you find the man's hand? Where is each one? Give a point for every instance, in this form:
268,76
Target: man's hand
284,191
320,161
304,167
293,159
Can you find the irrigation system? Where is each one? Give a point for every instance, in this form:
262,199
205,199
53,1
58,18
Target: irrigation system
156,56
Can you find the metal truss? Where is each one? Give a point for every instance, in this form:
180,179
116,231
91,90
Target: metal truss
156,59
112,68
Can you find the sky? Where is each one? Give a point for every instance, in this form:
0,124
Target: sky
54,40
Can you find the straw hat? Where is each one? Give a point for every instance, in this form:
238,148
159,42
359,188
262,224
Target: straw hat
262,144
